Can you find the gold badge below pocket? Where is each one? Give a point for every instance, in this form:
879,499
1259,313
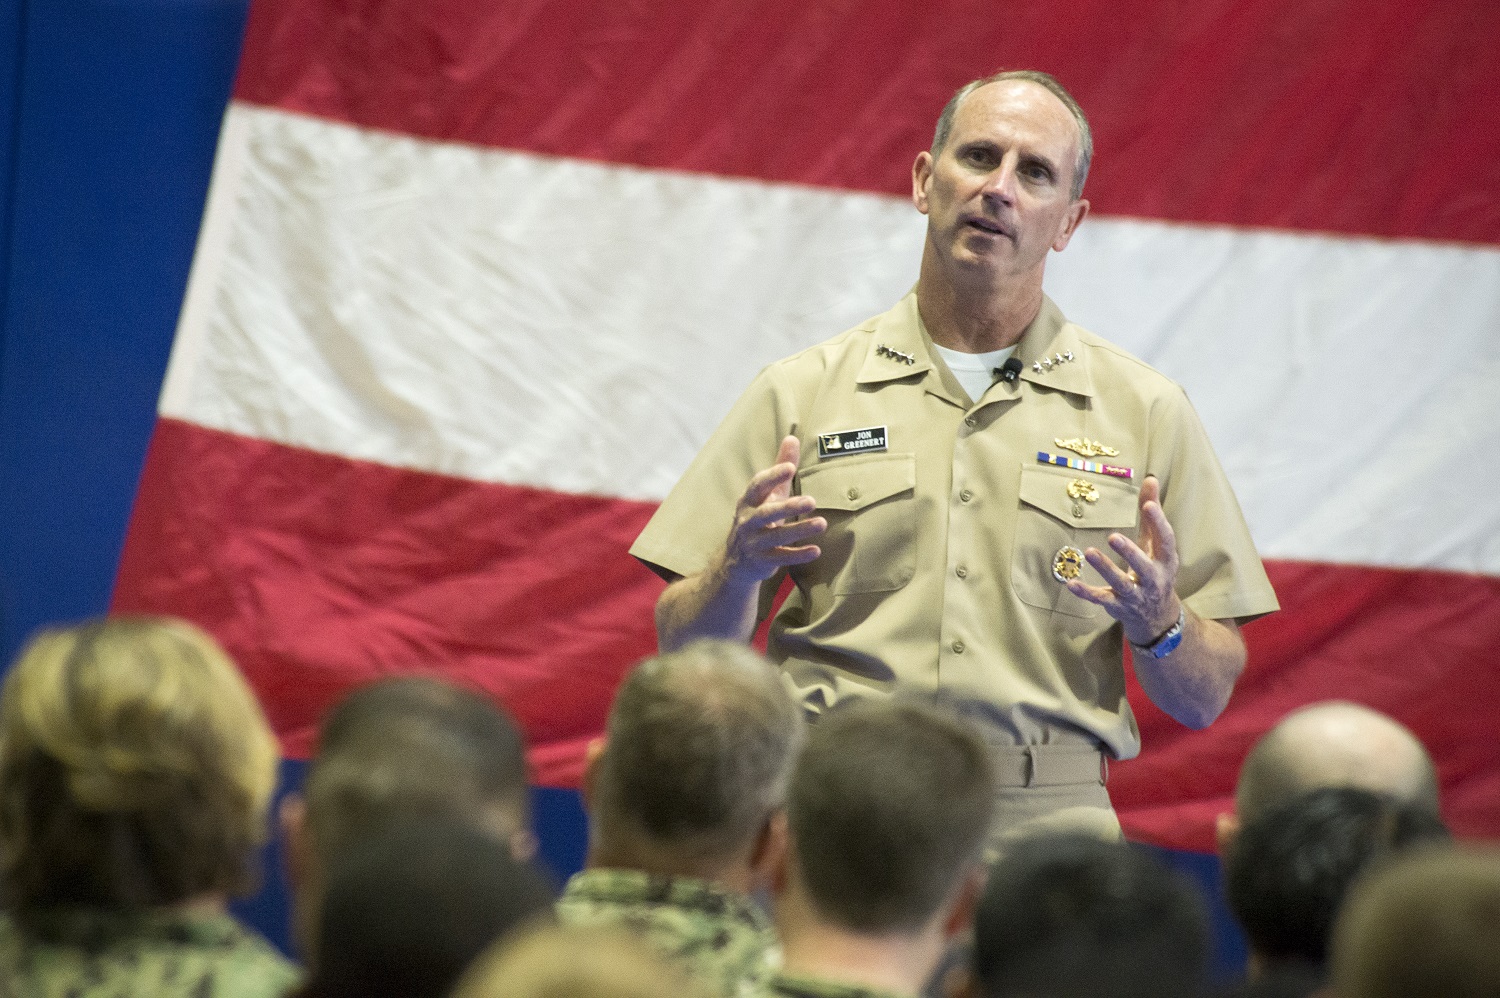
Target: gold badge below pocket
1067,563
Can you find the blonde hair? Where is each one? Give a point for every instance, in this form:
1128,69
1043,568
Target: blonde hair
136,768
572,962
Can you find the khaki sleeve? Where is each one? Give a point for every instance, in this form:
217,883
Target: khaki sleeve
694,520
1220,574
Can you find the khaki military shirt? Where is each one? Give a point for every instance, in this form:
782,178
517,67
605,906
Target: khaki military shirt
722,939
937,565
99,955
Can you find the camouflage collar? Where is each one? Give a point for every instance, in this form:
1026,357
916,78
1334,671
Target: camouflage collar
632,887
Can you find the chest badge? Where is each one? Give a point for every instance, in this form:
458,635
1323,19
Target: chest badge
865,441
1081,492
1084,447
1067,563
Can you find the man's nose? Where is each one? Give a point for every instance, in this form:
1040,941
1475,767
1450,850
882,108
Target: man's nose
1000,185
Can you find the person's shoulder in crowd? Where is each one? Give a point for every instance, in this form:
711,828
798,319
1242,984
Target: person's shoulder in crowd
724,939
88,955
798,986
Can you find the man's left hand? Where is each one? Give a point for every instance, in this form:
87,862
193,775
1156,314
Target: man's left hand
1142,596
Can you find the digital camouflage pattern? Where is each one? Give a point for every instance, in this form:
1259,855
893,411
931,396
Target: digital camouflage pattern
792,986
722,939
91,955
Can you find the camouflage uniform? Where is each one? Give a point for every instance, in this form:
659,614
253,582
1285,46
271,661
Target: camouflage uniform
791,986
93,955
724,941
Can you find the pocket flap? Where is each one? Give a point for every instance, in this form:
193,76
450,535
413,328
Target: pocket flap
1115,508
856,482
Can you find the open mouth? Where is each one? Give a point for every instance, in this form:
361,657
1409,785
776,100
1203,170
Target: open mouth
988,226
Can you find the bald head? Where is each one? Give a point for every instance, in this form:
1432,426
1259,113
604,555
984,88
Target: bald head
1335,744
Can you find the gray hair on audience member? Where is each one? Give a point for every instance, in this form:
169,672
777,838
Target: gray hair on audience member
699,744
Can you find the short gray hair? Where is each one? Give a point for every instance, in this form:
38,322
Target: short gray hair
1047,82
699,747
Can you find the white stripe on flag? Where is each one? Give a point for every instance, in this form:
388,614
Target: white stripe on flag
582,327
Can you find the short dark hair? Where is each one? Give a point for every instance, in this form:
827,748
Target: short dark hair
1423,927
890,805
1289,869
409,747
699,743
1047,82
409,908
136,769
1073,916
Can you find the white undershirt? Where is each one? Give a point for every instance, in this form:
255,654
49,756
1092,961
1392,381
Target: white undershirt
975,371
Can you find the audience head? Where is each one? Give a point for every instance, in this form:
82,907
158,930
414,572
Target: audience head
694,763
136,769
1426,926
1331,744
397,750
1076,917
890,805
1289,869
406,910
559,962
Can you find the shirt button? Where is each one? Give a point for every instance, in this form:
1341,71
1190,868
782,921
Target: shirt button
966,495
958,647
961,572
853,492
968,420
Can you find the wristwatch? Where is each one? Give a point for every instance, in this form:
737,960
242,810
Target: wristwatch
1168,642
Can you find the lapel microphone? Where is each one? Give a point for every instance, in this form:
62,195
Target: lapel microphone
1009,371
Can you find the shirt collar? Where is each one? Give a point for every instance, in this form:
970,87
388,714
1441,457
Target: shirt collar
901,348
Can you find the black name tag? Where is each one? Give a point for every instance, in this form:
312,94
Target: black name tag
851,442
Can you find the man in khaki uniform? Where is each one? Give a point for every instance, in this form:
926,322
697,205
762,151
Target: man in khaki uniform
947,528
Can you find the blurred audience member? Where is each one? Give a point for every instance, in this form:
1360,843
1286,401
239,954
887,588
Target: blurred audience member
574,962
397,750
890,805
1289,869
1077,917
136,770
685,800
1427,926
1330,744
407,909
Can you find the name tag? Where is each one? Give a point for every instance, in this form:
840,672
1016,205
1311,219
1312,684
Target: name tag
851,442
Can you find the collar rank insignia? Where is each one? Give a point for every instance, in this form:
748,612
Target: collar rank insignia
884,351
1084,447
866,441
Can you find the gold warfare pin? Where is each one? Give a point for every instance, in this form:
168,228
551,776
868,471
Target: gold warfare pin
1084,447
1067,563
1081,492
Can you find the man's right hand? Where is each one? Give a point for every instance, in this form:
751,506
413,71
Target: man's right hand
722,601
762,542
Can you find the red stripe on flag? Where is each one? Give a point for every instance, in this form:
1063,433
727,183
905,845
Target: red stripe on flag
1423,647
320,573
1374,119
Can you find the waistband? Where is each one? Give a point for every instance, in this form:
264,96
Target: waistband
1049,765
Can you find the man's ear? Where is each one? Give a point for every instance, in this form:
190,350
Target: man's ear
297,848
921,174
768,855
1074,218
960,917
593,754
1226,829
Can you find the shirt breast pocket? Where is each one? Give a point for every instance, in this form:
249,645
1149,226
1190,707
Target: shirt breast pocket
1046,523
871,542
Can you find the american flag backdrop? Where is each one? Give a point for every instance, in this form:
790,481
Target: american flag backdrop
476,280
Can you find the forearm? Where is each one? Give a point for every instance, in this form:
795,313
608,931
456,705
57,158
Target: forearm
1193,683
710,604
